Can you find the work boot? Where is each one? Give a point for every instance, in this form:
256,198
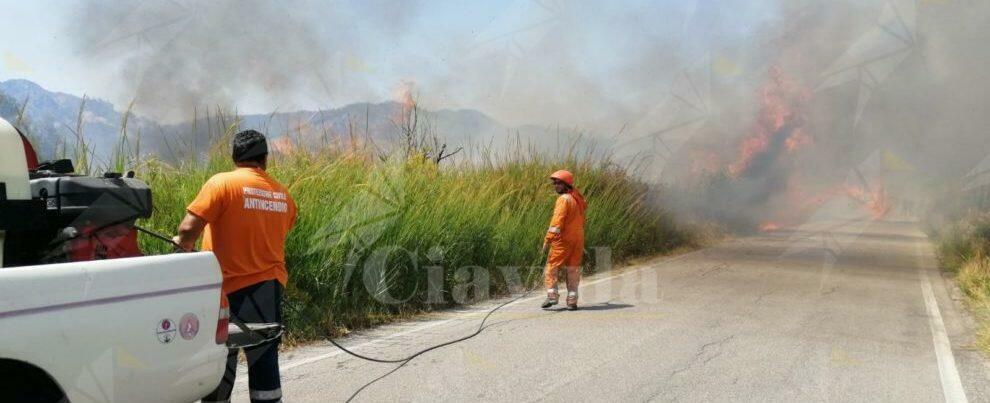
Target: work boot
572,301
552,299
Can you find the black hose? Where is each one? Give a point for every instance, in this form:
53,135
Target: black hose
481,327
401,361
406,360
165,238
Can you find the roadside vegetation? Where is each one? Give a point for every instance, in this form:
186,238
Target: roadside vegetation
964,249
373,223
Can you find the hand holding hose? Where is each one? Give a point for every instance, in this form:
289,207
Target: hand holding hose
178,247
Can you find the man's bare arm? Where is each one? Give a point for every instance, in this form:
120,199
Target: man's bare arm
189,231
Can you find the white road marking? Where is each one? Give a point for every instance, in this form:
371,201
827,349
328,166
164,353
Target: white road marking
337,352
952,387
306,361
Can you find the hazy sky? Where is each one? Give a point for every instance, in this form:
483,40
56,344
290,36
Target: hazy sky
544,62
897,76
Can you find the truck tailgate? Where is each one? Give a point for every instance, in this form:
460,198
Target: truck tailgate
138,329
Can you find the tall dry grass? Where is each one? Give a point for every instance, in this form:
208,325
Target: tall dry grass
964,249
373,222
421,206
469,217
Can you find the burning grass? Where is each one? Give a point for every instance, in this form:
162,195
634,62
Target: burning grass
357,205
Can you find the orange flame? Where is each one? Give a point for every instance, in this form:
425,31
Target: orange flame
403,94
782,103
796,140
283,145
875,201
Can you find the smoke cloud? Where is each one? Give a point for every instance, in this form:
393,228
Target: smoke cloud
173,56
890,93
579,64
891,117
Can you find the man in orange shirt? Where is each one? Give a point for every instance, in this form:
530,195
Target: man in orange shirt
565,238
244,217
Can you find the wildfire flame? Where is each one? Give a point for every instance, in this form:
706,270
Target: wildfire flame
796,140
283,145
875,200
403,94
780,115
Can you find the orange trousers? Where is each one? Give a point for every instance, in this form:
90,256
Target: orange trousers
564,255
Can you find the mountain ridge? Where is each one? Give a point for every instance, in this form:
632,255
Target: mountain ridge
51,119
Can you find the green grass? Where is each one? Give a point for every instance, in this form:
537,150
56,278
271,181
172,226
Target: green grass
471,215
355,204
964,249
974,280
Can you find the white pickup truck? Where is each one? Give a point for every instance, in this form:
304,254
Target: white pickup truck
145,329
139,329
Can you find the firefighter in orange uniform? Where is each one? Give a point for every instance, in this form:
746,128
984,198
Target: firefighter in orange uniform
565,238
244,217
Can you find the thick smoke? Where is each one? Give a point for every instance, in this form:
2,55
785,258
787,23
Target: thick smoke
586,65
173,56
895,110
895,91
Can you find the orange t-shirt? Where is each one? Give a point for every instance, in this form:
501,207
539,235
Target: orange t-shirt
248,216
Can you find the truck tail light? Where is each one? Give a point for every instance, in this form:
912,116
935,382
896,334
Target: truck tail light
222,321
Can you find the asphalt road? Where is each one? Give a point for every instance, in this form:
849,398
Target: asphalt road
830,311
